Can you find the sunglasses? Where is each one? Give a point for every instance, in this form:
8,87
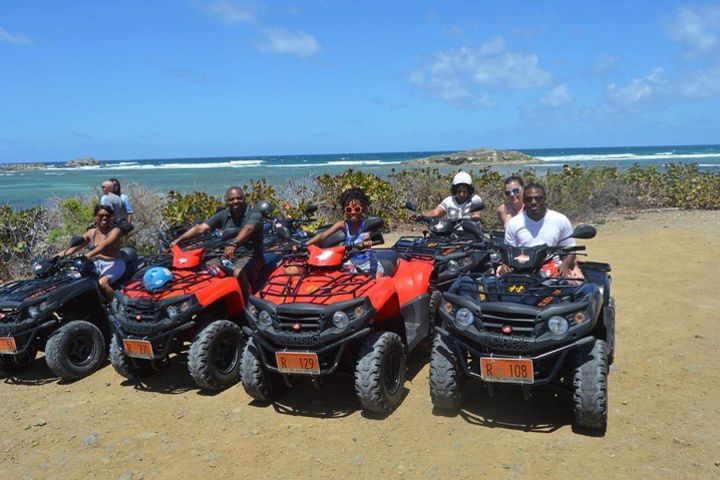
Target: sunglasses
514,191
538,198
350,210
104,215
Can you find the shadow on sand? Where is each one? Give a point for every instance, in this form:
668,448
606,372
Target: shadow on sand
333,396
548,409
40,374
170,378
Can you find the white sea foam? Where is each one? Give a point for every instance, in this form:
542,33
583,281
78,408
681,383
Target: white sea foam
168,166
333,164
626,156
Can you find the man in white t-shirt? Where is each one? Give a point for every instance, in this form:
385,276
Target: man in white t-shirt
458,204
538,225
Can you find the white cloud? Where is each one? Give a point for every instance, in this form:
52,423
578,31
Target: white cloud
284,42
557,97
640,90
465,74
702,85
18,38
229,11
697,28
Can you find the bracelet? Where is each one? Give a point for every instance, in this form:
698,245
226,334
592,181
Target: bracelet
234,243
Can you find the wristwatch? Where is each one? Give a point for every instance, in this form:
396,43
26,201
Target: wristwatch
234,243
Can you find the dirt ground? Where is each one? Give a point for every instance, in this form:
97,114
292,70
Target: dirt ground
664,419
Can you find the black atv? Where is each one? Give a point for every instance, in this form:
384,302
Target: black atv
456,247
61,311
529,329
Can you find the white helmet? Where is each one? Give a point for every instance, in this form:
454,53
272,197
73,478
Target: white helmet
462,178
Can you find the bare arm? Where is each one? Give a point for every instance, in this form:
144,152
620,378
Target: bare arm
567,265
112,236
196,230
436,212
323,235
71,250
502,215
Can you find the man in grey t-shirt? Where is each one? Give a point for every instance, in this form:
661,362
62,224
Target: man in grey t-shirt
246,249
113,201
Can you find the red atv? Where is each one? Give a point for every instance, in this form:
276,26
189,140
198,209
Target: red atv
312,313
202,304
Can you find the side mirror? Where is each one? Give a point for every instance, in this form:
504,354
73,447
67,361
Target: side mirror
471,227
476,206
76,241
310,209
283,233
584,232
373,223
229,233
410,205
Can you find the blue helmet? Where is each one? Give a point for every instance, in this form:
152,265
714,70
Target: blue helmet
156,277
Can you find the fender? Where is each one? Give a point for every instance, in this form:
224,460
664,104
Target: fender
384,299
226,288
412,279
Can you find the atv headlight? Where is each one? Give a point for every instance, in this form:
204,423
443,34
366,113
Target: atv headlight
453,266
340,319
558,326
264,320
35,310
463,318
176,309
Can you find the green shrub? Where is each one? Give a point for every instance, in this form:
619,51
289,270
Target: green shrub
184,210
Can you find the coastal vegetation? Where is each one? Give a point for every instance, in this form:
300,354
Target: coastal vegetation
584,194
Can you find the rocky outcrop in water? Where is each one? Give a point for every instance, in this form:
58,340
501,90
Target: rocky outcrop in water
16,167
82,162
477,156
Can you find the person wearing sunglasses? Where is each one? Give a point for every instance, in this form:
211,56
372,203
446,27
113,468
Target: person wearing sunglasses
538,225
246,250
103,240
513,204
354,203
458,204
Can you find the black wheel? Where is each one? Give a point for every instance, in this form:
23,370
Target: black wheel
75,350
444,375
435,298
12,364
214,356
128,367
380,372
258,382
590,397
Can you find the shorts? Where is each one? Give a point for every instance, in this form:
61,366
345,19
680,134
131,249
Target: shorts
113,269
250,267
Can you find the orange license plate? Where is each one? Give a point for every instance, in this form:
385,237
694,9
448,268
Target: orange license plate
7,345
508,370
298,362
138,348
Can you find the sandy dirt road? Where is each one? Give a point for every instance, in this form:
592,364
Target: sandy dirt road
664,417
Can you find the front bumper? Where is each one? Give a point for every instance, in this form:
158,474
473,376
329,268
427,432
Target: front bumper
329,355
24,336
546,365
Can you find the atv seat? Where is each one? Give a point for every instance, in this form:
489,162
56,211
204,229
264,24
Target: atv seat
129,256
388,259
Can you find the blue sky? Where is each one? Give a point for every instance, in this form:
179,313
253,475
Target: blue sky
187,78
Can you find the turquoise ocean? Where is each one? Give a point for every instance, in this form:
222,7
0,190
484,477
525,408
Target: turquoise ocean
23,189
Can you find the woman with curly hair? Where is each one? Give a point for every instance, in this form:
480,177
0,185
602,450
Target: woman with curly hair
354,203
